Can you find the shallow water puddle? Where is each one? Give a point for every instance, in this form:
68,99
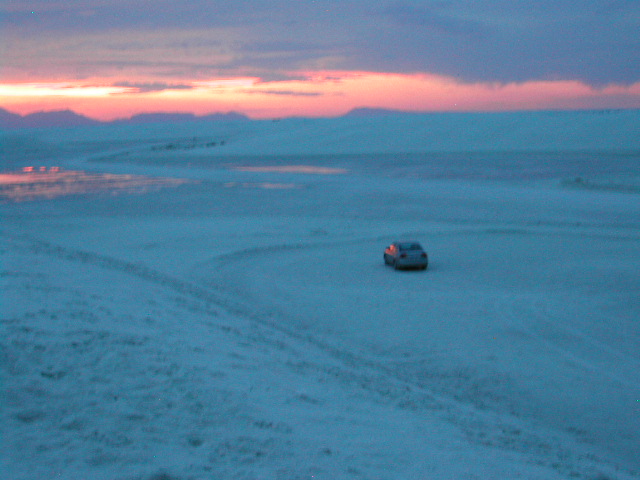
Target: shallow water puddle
46,183
264,185
310,169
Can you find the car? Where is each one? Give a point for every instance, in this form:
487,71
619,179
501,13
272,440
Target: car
406,255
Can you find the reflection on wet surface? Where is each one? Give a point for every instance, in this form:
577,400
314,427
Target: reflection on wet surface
264,185
293,169
45,183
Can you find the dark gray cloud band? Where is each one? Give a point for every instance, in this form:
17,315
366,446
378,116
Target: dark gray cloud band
492,40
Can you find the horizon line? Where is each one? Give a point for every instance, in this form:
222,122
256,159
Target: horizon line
315,94
372,111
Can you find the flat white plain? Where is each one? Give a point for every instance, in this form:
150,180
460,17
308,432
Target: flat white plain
243,325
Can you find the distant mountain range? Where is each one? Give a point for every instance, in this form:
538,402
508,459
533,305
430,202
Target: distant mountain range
67,118
375,112
10,121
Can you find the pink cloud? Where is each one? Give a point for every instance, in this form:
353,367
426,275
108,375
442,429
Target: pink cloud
312,93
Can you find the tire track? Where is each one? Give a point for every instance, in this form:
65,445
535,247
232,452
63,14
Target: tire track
387,384
350,369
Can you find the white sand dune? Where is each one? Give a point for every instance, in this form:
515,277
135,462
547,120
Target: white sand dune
241,324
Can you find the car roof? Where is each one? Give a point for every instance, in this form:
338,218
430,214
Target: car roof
408,244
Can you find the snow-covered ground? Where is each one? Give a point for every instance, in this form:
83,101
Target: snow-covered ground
243,325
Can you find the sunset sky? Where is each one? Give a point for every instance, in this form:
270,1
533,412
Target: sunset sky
111,59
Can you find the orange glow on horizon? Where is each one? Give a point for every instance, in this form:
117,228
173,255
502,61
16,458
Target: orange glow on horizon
313,94
58,89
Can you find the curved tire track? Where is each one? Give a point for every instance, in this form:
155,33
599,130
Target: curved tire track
388,385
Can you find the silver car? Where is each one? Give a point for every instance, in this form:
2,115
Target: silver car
406,255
